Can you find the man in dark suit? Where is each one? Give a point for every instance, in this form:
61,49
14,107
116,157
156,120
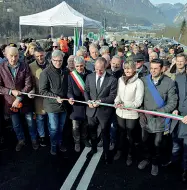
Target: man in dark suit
100,87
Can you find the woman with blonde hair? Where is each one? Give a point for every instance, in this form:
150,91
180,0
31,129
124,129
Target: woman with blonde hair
29,53
129,94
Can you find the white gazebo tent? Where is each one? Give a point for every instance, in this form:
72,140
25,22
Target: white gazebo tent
60,15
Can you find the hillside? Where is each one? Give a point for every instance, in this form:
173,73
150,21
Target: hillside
171,11
181,16
91,8
139,8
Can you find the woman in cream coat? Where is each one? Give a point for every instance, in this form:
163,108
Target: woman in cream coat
130,94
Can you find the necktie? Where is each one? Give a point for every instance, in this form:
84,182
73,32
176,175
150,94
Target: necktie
98,84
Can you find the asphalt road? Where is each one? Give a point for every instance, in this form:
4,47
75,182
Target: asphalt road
38,170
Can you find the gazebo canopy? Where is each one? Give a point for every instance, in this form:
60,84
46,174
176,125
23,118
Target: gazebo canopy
60,15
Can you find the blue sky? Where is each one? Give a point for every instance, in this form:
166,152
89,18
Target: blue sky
168,1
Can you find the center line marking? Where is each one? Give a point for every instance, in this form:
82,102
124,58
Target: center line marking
86,178
75,170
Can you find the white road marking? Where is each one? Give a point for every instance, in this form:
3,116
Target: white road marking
75,170
86,178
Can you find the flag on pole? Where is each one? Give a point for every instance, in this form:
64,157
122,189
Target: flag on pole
80,38
76,41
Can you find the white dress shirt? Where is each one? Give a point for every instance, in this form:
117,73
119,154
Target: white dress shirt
102,78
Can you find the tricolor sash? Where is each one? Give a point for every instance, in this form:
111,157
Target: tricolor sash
78,80
158,100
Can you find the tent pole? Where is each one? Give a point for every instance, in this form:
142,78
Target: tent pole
20,34
82,34
52,32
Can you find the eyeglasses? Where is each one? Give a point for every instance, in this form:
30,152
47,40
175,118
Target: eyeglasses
55,46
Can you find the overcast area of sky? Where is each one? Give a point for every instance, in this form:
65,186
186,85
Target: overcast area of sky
168,1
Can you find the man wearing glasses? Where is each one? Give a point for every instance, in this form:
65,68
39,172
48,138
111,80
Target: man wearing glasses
53,82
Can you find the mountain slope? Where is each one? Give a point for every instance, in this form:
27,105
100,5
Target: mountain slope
140,8
171,11
181,16
91,8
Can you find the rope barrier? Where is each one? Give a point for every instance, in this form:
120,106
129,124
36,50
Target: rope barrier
154,113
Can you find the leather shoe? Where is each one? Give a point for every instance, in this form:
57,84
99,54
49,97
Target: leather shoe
108,160
91,153
184,177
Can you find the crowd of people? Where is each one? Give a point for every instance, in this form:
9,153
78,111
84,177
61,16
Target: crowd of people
124,74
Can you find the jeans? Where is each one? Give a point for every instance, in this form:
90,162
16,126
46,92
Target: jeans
56,122
40,123
179,149
17,126
79,130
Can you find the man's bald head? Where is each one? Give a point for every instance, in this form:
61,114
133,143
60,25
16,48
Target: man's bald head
100,66
12,55
12,50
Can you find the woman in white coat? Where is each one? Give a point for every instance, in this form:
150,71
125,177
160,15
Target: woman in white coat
130,94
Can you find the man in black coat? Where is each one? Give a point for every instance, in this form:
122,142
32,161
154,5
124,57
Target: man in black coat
116,71
179,129
141,69
76,84
100,87
53,82
116,67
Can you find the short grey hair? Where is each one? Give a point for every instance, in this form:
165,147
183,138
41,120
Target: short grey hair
71,57
102,60
80,53
116,57
93,46
104,49
79,60
83,48
130,64
155,54
57,53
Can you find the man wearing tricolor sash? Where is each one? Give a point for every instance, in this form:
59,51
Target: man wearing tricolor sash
76,85
160,95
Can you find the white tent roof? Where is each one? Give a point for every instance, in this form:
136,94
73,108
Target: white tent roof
60,15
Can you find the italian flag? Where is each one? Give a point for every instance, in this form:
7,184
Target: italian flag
76,41
78,80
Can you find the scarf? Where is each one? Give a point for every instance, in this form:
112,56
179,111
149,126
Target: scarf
42,66
126,78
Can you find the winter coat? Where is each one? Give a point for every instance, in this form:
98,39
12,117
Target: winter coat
22,82
181,82
38,102
131,95
53,82
167,90
79,110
